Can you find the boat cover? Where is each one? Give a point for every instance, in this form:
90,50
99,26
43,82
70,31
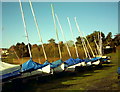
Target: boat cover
70,62
31,65
56,63
104,59
9,70
40,66
87,60
95,58
77,60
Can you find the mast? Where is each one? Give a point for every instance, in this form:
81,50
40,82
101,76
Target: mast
38,29
89,45
80,37
100,44
63,35
25,29
55,27
97,46
73,36
86,48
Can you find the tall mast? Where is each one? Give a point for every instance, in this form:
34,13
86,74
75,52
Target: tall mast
100,44
73,36
38,29
63,35
55,27
89,45
80,36
86,48
25,29
97,46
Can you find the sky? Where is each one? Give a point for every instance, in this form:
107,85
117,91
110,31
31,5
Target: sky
91,16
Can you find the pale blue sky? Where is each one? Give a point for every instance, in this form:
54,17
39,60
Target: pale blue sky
90,15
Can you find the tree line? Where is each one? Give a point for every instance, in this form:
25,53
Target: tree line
21,49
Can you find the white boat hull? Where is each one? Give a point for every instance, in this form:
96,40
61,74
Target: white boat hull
83,64
88,64
58,69
45,69
72,68
96,63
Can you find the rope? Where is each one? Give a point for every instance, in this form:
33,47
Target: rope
38,29
16,55
53,15
63,35
81,36
72,36
25,29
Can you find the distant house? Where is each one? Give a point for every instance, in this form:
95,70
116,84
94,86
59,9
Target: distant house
4,52
108,46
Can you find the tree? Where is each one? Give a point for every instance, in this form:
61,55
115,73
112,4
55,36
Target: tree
108,38
70,43
51,40
117,39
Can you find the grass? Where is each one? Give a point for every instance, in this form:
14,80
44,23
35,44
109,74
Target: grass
104,78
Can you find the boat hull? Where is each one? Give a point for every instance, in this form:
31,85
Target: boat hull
58,69
45,69
96,62
72,68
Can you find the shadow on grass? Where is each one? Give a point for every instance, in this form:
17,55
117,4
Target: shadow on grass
51,81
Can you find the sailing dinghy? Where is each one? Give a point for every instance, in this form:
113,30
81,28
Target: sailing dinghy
9,70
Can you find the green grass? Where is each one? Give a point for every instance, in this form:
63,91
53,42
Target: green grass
99,79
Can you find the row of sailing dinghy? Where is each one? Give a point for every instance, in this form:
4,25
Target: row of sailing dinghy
30,67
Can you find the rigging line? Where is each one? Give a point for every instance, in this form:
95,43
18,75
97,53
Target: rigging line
16,55
80,36
73,36
55,27
89,45
25,29
63,35
38,29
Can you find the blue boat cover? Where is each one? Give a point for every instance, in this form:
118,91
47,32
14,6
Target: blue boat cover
29,65
104,59
77,60
56,63
45,63
70,62
95,58
87,60
118,70
40,66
